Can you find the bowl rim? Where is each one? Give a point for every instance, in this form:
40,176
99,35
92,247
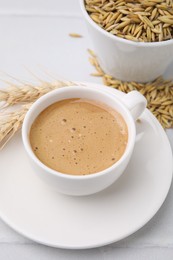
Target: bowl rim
121,40
33,157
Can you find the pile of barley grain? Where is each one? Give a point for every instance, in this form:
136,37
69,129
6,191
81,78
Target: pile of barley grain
159,93
136,20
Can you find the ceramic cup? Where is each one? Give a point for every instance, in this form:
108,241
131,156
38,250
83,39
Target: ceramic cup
128,60
130,107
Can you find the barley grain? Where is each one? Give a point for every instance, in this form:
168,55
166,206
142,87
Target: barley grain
75,35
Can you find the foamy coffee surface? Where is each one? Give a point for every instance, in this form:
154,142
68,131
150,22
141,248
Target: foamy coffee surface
78,136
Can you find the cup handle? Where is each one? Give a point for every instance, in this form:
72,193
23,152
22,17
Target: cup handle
135,102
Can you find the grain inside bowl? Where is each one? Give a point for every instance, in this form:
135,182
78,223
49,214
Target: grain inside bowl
140,20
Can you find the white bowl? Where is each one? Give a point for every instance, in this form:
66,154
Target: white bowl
127,60
132,105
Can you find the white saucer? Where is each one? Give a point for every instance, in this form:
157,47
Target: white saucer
35,211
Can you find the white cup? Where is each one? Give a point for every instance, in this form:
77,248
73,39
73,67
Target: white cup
130,107
128,60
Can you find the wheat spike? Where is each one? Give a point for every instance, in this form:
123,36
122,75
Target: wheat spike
25,93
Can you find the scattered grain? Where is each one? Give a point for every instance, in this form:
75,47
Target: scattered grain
159,93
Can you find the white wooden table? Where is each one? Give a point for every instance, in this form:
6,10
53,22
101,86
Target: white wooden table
32,33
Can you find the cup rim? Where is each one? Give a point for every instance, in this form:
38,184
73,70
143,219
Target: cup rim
114,37
28,118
